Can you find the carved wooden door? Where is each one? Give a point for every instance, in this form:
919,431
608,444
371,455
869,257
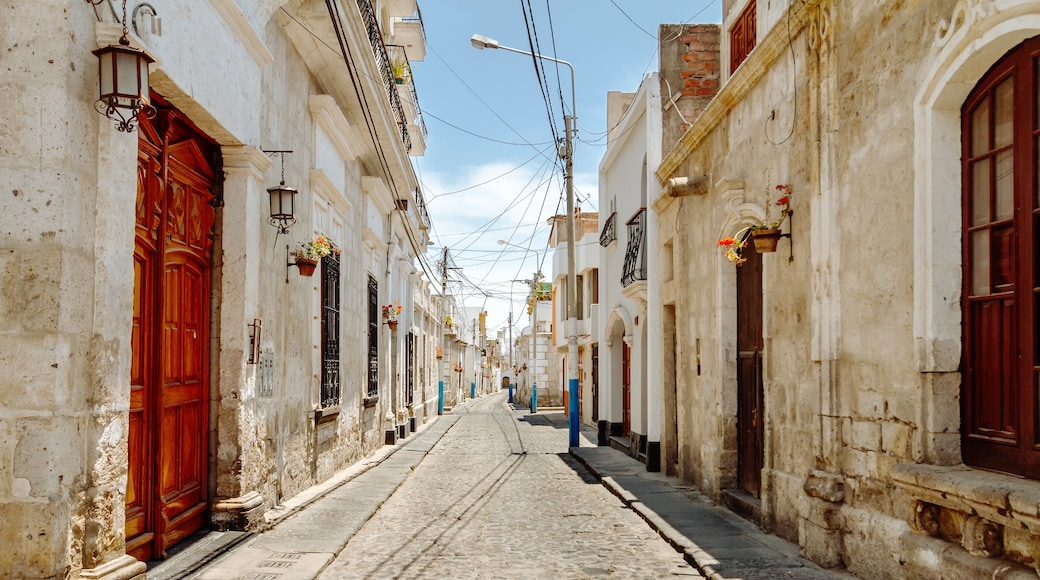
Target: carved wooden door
166,485
749,373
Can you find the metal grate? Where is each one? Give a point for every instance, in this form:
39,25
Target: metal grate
373,337
330,290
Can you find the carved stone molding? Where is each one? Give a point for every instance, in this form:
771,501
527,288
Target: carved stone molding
819,13
965,14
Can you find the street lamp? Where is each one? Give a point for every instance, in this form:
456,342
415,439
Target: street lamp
534,323
567,153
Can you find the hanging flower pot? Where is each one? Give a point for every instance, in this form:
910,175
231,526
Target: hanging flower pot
306,266
765,240
392,324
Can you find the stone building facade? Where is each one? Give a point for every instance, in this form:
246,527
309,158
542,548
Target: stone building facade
868,389
167,365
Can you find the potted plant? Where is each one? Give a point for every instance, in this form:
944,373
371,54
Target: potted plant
764,234
447,321
440,353
308,254
400,71
767,234
390,313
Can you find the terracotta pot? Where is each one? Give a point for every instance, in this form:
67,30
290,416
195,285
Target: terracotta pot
392,324
306,266
765,240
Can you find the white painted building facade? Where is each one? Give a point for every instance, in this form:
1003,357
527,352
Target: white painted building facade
177,328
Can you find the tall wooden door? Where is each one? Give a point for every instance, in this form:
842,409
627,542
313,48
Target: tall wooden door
626,388
749,373
595,383
166,485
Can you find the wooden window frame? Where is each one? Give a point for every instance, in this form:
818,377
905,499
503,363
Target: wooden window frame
1000,357
743,36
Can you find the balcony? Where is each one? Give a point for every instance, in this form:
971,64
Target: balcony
404,83
375,38
609,234
635,253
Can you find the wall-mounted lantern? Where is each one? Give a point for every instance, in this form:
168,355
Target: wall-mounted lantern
283,199
123,81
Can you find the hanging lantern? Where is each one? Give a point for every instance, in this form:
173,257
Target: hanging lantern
283,199
123,82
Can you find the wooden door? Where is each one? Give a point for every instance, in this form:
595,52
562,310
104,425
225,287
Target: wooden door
166,486
595,383
626,388
749,373
1000,416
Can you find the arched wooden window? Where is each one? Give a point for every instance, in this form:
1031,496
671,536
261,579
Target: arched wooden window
1001,279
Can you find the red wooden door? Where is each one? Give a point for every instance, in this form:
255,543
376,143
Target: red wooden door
626,388
1001,296
166,488
749,373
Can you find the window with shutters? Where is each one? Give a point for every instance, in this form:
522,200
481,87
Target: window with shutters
1001,367
742,36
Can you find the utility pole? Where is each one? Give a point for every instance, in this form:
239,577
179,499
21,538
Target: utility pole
572,287
511,372
444,349
534,342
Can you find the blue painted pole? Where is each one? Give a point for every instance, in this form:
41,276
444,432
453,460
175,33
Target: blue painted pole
440,397
534,396
572,390
472,390
510,391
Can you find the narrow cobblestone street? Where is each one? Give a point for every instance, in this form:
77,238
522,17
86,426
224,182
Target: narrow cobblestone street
484,493
502,498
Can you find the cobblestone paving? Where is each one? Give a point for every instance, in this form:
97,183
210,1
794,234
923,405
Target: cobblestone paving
500,497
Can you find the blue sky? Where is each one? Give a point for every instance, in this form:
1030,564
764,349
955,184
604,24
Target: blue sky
490,170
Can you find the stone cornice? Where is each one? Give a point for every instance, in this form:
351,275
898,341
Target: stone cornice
232,15
377,190
245,159
329,117
739,85
323,186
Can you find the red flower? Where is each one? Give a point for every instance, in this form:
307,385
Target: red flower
783,200
727,242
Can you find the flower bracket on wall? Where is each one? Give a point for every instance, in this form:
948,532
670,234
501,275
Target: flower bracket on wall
764,232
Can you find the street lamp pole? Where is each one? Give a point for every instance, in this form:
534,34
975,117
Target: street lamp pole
567,153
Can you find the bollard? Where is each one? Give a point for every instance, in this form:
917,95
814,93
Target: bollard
534,397
440,397
473,390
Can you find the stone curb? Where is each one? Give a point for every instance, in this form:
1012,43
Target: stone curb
691,552
304,499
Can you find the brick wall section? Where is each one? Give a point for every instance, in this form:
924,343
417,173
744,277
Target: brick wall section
701,74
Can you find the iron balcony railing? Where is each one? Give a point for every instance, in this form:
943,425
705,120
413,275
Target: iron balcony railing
420,206
609,233
635,253
375,38
397,53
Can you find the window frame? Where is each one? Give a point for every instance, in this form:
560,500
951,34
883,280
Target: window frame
1003,387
